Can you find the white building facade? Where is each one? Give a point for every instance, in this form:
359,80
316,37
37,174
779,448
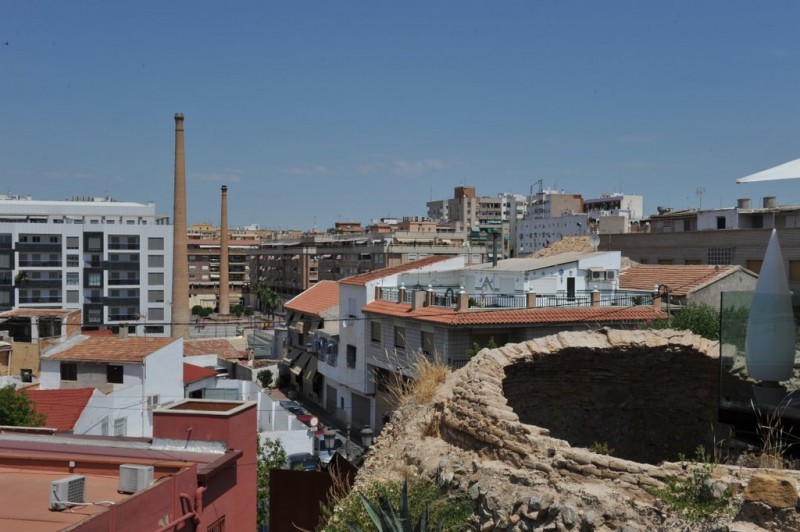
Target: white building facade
112,260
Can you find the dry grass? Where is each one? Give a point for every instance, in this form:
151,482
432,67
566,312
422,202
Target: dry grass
428,376
775,441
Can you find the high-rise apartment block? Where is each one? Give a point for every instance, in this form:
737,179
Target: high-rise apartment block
112,260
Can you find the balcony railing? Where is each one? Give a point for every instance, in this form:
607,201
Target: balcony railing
120,265
40,299
40,263
123,317
448,297
38,247
116,245
123,282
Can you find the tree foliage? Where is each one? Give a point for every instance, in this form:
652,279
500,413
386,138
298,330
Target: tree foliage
270,455
697,317
17,410
477,347
267,298
265,378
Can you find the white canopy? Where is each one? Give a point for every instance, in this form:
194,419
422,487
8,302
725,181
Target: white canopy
790,170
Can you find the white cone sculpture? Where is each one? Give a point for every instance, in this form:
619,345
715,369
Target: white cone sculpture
770,327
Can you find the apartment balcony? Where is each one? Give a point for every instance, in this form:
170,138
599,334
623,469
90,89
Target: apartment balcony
124,246
42,283
30,263
39,299
123,282
123,317
119,265
126,301
38,247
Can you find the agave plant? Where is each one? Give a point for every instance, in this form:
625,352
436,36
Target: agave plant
388,519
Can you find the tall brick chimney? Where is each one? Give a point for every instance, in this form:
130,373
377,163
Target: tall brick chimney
224,296
180,259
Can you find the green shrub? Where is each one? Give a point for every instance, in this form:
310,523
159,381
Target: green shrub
451,512
265,378
694,496
698,318
197,310
601,447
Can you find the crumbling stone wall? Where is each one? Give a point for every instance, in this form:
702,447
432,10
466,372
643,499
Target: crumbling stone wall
649,405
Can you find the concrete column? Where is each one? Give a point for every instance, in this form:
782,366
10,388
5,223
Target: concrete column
224,278
378,293
180,249
401,293
530,300
595,298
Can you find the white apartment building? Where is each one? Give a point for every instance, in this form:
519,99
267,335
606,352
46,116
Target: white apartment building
112,260
550,216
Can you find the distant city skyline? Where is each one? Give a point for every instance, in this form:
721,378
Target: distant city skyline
318,112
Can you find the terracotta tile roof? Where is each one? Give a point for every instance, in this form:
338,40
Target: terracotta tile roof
681,279
192,373
105,349
62,408
32,312
317,299
363,278
454,317
214,346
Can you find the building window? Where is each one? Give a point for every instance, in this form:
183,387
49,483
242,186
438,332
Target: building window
69,371
155,314
95,315
155,279
794,270
114,374
400,337
72,261
155,296
720,256
351,356
665,262
154,329
155,261
427,343
121,426
72,242
375,328
73,296
94,242
73,279
94,279
754,265
217,526
155,243
692,262
720,222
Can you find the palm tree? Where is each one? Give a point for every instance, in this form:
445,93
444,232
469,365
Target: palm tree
21,278
268,299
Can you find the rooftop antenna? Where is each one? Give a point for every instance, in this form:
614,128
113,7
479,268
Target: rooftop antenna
540,186
700,191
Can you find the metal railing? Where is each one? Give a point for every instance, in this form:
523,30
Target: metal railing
40,299
448,298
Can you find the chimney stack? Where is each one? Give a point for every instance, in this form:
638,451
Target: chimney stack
180,260
224,296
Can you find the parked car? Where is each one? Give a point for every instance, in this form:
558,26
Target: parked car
302,462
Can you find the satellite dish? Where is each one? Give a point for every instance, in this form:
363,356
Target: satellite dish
594,240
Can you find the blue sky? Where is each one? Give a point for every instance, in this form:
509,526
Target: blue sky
318,111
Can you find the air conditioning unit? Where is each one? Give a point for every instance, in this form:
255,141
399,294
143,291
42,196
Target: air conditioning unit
610,275
65,492
133,478
152,401
598,275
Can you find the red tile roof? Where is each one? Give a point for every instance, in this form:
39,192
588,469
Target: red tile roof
453,317
105,349
317,299
363,278
192,373
61,408
215,346
681,279
32,312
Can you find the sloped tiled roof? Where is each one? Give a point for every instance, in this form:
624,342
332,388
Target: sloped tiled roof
192,373
317,299
213,346
363,278
453,317
105,349
681,279
33,312
61,408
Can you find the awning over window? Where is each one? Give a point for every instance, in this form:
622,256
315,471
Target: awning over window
300,363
